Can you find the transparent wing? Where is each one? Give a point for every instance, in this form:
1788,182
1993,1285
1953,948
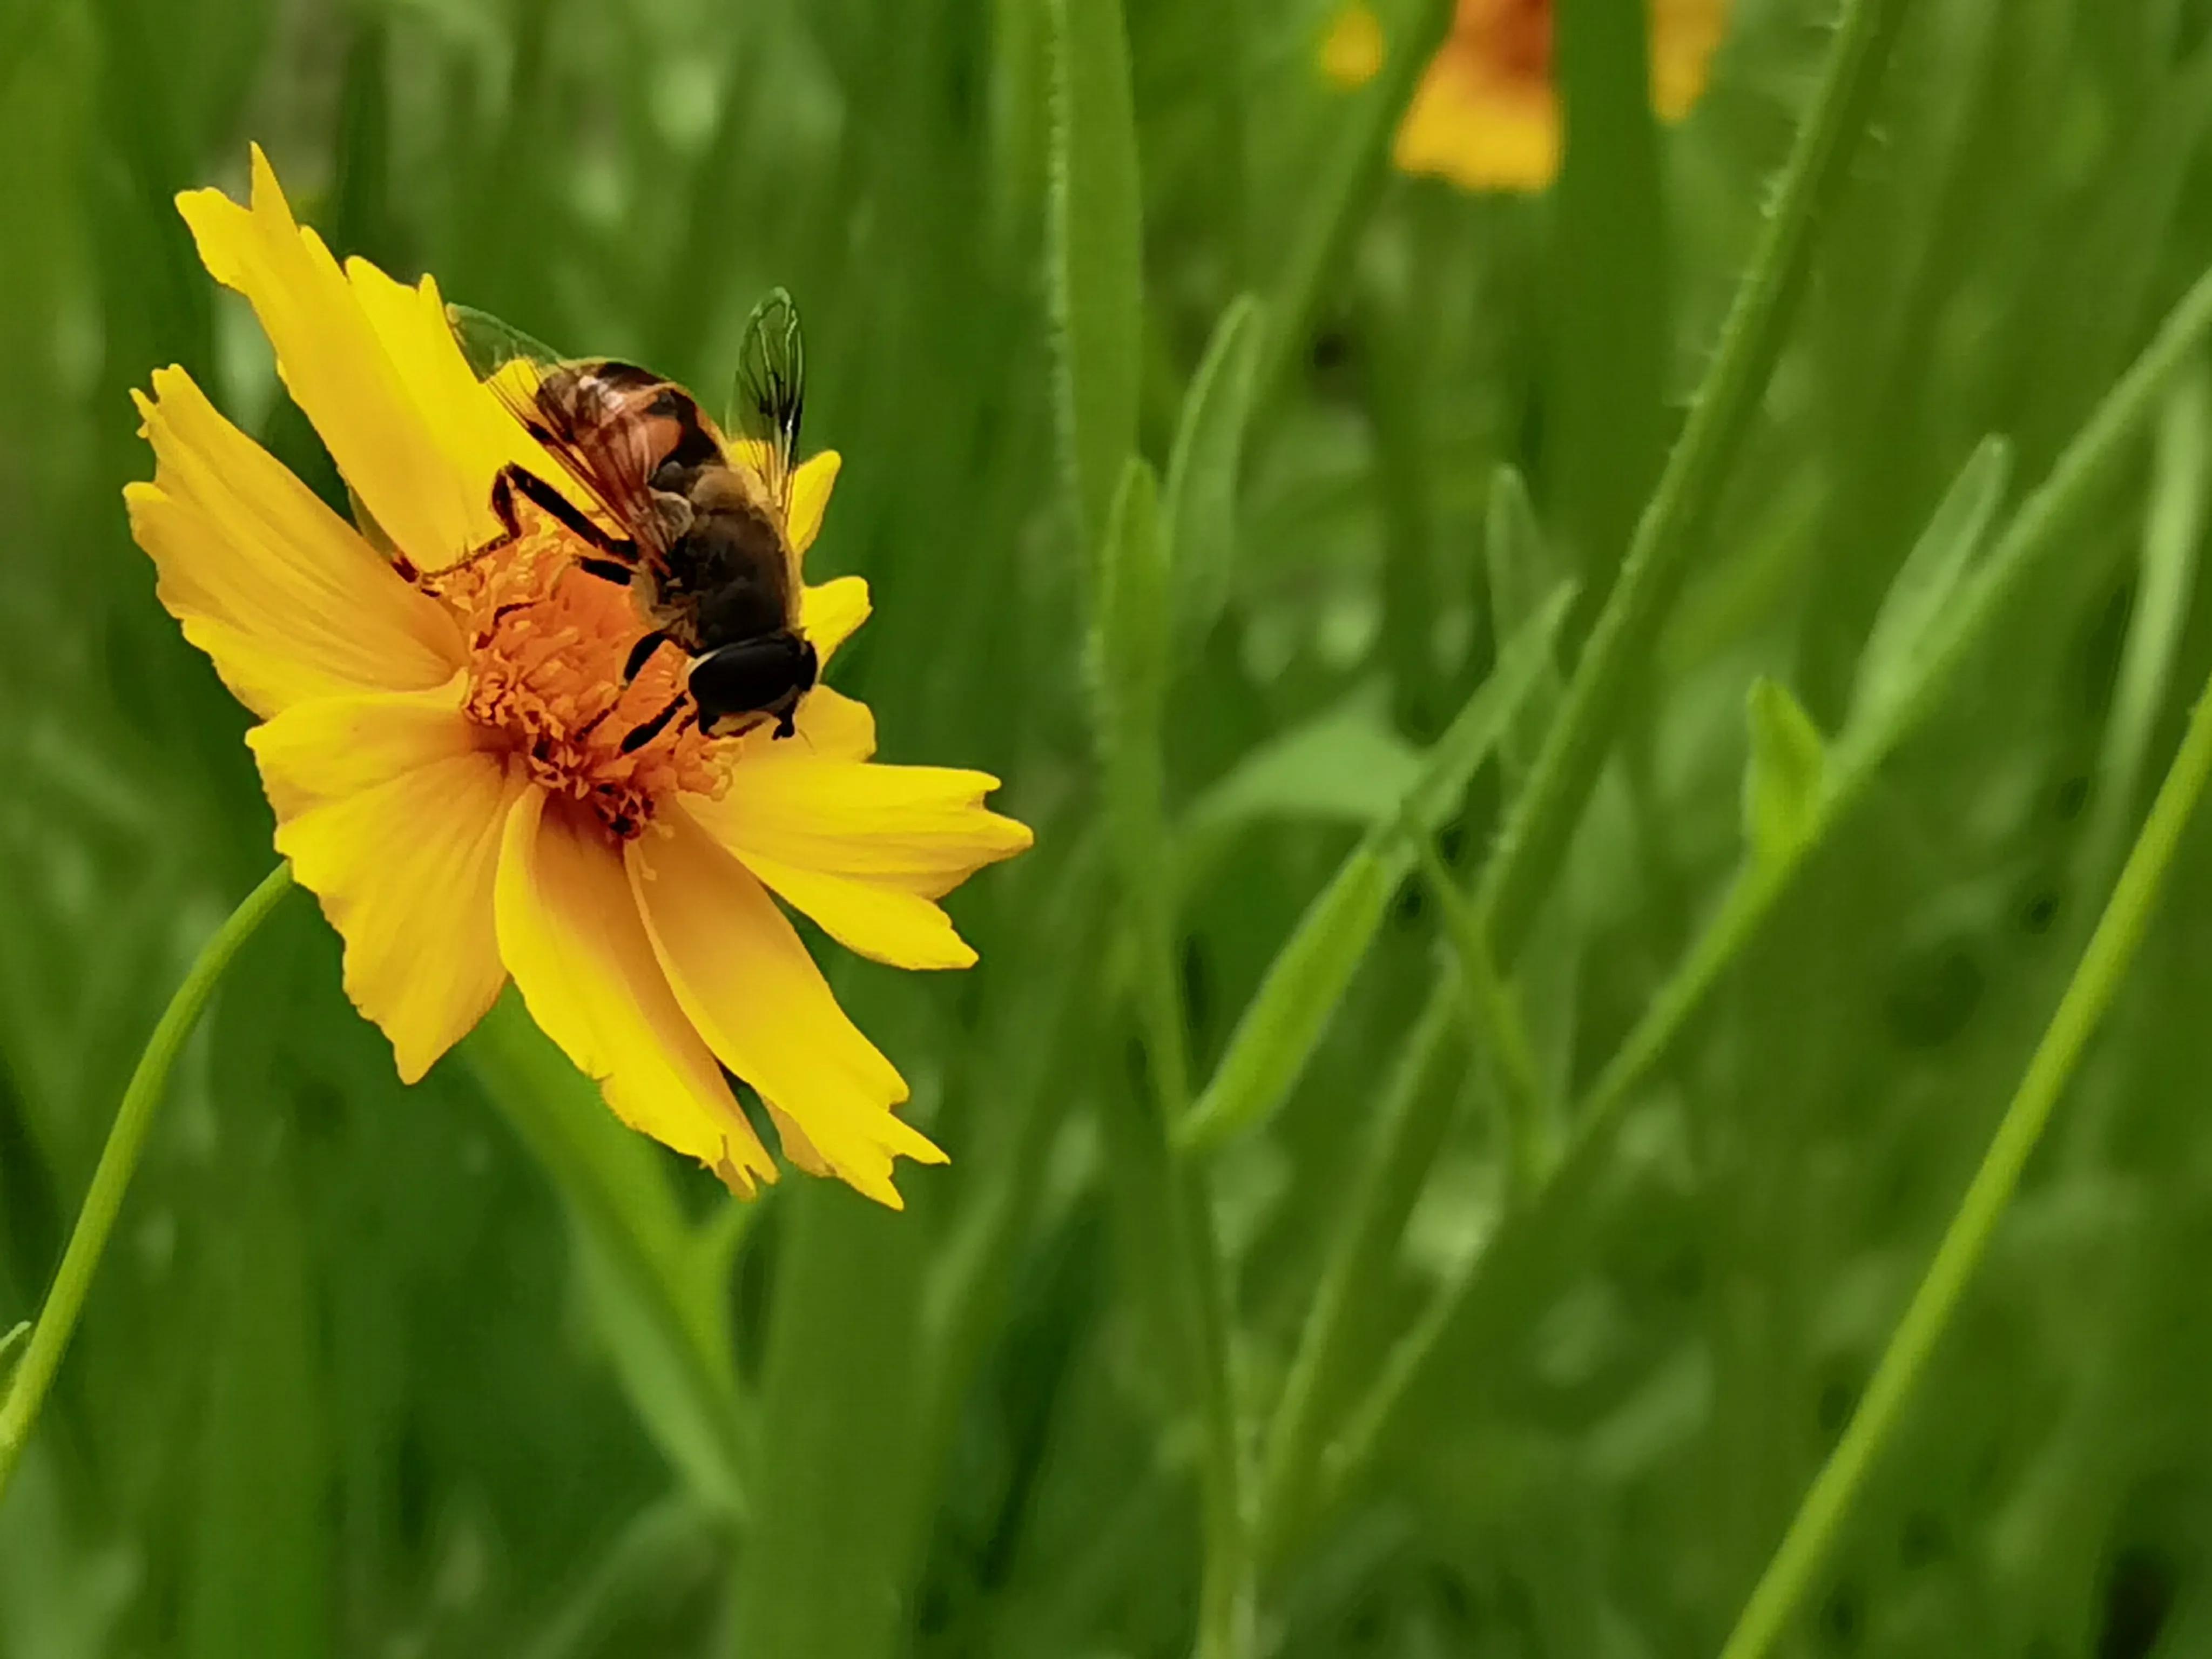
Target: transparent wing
570,409
770,394
505,358
489,344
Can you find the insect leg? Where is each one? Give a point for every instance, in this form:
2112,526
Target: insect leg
557,507
638,736
514,479
642,653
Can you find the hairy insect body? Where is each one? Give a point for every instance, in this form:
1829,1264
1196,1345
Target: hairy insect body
703,544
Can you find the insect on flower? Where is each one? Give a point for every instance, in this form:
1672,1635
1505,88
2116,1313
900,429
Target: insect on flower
702,543
525,717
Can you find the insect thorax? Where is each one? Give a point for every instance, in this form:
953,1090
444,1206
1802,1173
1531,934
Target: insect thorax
728,573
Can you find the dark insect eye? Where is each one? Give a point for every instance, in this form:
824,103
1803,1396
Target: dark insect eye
669,475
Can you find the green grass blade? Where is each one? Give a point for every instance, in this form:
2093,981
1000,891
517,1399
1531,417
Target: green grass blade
2172,542
1288,1014
1522,568
1410,1119
1610,269
2089,993
1343,190
1132,627
1537,830
1783,781
664,1326
2036,531
829,1559
1097,253
1928,579
1200,505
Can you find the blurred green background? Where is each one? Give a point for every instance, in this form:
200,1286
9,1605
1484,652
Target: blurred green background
465,1370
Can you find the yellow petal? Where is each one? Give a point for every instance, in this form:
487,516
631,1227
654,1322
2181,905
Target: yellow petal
746,982
432,504
286,597
392,816
470,425
833,724
569,933
811,484
1684,35
831,614
1479,132
864,849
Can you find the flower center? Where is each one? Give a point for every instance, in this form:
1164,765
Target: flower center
548,643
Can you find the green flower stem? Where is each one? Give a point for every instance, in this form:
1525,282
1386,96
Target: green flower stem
2088,994
1542,820
118,1159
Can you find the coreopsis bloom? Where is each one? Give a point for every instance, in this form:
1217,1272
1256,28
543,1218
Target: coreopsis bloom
445,755
1486,115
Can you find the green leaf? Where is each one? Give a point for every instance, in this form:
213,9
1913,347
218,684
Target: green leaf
1128,652
1200,509
659,1309
1128,661
13,1340
1096,236
1346,765
2173,532
1926,581
1782,786
1522,569
1287,1015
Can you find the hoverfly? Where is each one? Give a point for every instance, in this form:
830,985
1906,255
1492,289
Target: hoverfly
703,541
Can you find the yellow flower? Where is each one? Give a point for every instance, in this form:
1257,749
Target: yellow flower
444,754
1486,115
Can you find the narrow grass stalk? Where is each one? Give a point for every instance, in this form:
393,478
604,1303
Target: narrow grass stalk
1409,1126
2035,532
1347,184
2119,932
1131,629
1493,1014
1542,821
118,1160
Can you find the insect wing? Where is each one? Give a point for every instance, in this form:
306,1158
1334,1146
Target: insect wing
569,412
770,395
489,344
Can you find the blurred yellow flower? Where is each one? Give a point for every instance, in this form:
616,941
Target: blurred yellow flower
445,774
1486,115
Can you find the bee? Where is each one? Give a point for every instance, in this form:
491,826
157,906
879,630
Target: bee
702,539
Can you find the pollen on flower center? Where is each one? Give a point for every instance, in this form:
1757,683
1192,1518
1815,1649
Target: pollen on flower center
548,642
